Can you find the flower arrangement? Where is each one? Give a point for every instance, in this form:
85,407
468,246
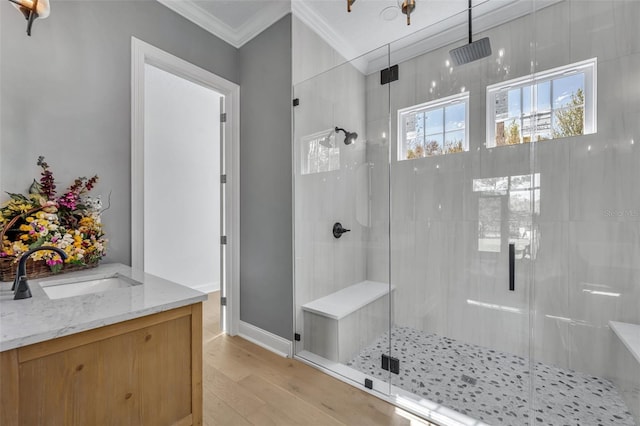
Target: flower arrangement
70,222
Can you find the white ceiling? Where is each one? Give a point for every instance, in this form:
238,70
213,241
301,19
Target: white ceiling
434,23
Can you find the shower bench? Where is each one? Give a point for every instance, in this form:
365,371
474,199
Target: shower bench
629,334
338,326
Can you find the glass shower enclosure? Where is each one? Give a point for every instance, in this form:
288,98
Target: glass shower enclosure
467,237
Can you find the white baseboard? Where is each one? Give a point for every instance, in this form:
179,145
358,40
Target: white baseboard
267,340
208,287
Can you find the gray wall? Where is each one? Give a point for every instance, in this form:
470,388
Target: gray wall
266,278
66,94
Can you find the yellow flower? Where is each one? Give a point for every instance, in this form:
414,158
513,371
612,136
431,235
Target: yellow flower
24,227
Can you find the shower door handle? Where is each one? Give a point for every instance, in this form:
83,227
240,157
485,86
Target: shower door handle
512,267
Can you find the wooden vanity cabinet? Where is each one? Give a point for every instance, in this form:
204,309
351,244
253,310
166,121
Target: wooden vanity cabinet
145,371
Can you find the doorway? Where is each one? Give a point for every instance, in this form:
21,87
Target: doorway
185,200
181,179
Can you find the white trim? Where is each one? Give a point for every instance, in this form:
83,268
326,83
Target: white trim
270,13
265,339
143,53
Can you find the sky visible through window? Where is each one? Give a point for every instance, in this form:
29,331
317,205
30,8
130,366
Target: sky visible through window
434,130
541,110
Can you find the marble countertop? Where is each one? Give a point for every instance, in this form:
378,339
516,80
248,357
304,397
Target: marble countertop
33,320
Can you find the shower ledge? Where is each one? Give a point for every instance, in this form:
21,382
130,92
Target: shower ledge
629,334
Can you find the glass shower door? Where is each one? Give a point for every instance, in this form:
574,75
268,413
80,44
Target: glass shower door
341,160
462,207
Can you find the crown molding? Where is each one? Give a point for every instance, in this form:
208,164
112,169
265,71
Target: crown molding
236,37
268,16
320,26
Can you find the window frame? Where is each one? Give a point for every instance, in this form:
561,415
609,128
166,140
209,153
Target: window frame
433,105
588,67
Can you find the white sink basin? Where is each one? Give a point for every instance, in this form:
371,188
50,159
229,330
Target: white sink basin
62,288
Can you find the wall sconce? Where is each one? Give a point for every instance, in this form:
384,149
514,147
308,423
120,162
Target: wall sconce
32,9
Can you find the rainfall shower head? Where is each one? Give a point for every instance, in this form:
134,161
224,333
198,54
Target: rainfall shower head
473,51
349,137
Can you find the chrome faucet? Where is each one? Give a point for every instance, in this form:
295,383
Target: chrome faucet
20,284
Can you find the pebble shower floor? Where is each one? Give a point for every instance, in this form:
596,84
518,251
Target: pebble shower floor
433,367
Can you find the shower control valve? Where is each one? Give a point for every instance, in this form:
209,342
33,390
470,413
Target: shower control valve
338,230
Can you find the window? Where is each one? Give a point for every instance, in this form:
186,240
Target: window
434,128
549,105
506,206
320,153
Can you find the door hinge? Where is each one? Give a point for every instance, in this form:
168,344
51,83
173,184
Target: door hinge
223,240
388,75
223,117
223,301
390,363
297,337
223,178
296,102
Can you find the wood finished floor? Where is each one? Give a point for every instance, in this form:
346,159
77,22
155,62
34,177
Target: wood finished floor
244,384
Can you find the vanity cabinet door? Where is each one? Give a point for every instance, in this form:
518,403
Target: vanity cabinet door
145,375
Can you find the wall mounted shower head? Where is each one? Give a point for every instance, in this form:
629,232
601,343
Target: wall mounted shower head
349,137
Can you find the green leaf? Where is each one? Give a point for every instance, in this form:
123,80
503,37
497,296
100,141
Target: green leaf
18,197
56,268
35,188
37,243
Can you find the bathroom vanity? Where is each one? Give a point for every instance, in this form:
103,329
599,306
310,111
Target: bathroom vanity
109,345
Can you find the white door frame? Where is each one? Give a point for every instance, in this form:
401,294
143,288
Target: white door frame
143,53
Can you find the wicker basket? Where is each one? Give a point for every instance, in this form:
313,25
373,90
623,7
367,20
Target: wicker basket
36,268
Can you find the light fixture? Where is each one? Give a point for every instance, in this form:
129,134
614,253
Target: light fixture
349,3
32,9
407,7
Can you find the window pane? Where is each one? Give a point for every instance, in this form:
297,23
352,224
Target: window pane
455,116
501,106
454,141
508,132
433,145
565,91
515,109
433,121
526,99
568,122
409,126
419,126
414,149
544,96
